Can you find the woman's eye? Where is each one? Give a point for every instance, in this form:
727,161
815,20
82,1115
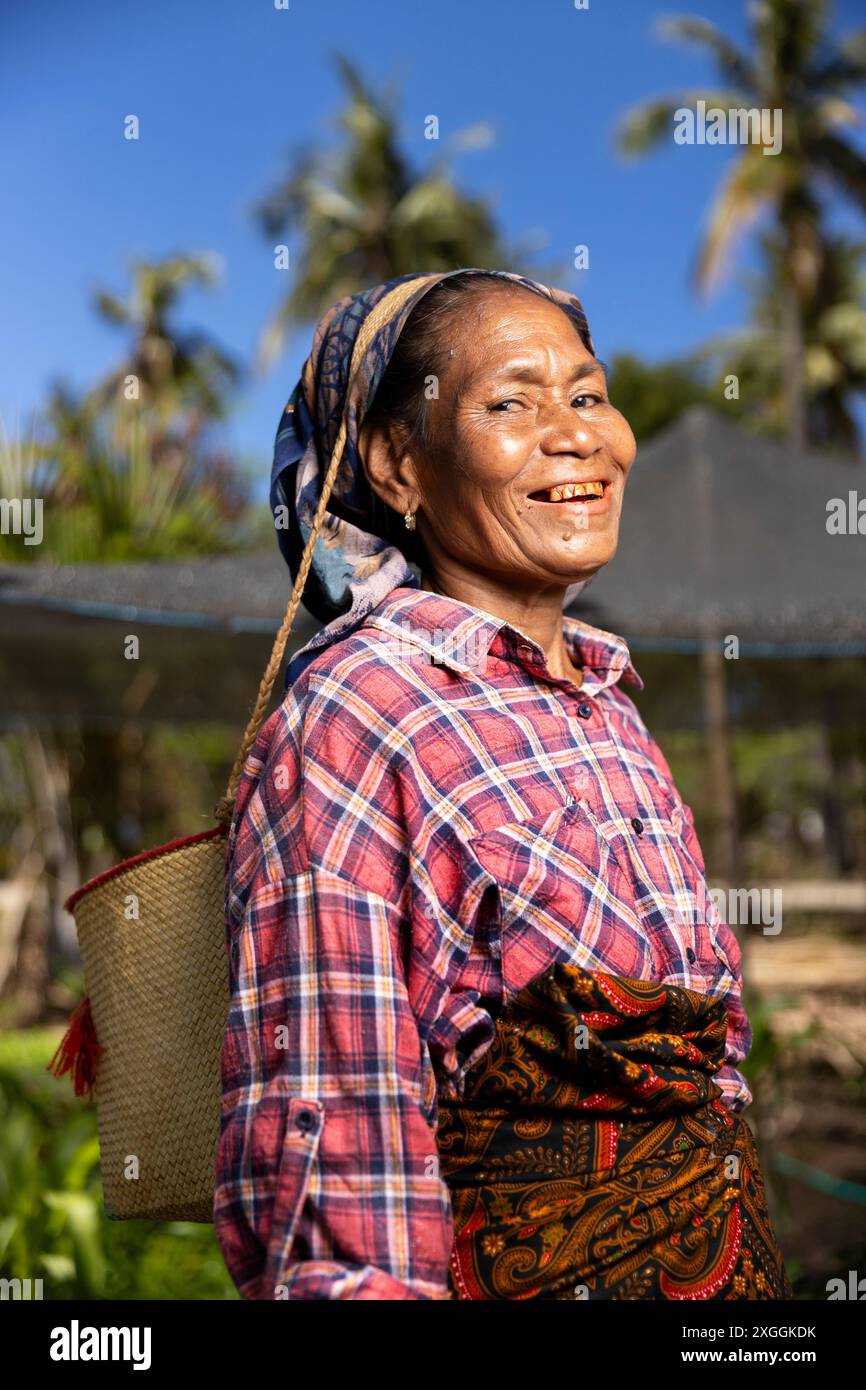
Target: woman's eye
581,402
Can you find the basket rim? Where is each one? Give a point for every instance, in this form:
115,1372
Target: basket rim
168,848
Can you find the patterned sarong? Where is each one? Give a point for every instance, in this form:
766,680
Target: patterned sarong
591,1155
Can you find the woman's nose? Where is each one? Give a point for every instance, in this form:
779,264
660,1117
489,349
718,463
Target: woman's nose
564,431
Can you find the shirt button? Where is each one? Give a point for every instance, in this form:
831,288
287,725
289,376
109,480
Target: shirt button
584,710
305,1120
637,826
690,955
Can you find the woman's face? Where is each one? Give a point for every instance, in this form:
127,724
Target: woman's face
523,409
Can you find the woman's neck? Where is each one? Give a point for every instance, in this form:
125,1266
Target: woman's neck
538,615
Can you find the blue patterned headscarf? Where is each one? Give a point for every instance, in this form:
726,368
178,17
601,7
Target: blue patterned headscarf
353,567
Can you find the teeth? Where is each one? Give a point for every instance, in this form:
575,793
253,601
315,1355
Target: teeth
569,490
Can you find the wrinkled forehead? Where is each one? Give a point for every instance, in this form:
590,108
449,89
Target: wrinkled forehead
513,327
499,301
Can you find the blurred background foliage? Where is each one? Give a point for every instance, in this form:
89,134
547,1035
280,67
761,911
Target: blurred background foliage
52,1225
137,468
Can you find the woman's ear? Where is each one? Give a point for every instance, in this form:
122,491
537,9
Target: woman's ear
387,464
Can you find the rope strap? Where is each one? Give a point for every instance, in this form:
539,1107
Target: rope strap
378,316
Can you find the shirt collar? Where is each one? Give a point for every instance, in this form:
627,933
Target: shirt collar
459,636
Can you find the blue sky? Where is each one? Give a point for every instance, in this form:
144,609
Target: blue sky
225,88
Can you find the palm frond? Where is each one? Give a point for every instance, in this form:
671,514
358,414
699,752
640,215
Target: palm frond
362,213
845,166
844,68
110,307
741,199
734,65
645,126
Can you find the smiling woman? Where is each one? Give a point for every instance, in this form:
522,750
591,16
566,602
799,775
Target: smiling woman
486,1019
516,463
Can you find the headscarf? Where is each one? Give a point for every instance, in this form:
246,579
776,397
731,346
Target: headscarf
353,566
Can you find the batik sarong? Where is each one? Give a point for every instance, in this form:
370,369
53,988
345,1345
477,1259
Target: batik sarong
591,1156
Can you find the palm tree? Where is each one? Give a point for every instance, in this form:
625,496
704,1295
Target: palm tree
365,215
176,372
113,503
834,339
796,66
836,345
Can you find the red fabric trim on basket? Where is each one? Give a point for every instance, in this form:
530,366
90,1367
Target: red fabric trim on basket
140,859
78,1051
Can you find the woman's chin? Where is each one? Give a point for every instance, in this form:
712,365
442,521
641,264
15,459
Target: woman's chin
574,558
577,574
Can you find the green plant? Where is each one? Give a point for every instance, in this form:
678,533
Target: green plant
53,1226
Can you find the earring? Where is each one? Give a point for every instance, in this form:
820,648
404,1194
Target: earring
409,521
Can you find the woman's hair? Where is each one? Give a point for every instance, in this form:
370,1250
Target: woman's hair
421,352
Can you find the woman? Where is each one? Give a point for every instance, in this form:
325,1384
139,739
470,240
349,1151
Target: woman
485,1019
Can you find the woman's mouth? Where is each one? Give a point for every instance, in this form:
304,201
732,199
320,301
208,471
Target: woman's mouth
582,493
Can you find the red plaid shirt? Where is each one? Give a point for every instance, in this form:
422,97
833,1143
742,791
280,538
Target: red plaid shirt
429,820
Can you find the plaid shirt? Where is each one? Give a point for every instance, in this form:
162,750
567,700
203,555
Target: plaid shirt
429,820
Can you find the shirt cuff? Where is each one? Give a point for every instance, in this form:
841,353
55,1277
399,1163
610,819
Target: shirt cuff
314,1279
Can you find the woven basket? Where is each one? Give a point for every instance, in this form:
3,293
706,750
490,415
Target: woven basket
152,938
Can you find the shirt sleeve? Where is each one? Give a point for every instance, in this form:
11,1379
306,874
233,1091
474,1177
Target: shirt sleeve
327,1176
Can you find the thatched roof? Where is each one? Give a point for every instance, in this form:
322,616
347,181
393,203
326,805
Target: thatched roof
727,533
204,626
722,532
227,593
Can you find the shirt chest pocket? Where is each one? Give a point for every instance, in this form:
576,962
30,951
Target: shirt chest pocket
564,897
681,921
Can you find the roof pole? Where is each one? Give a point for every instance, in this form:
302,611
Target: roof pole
723,787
